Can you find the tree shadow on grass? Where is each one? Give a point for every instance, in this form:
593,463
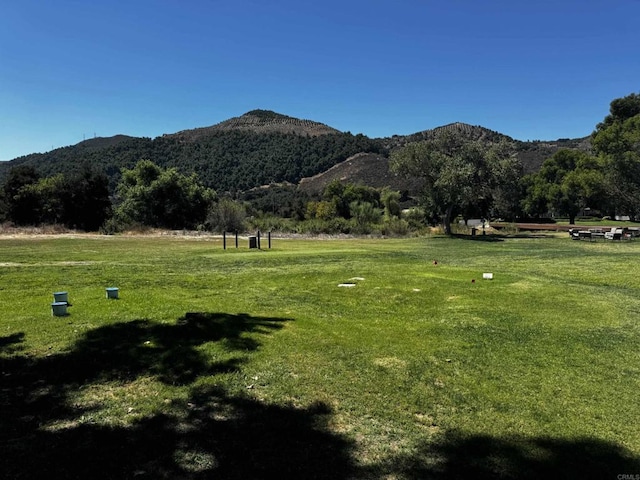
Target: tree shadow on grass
461,456
11,343
127,350
211,434
477,238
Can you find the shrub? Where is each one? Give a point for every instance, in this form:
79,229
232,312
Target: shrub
316,226
436,230
394,226
112,226
365,215
511,229
415,218
272,223
227,216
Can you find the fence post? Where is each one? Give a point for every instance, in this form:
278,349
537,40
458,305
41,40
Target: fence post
224,240
236,238
258,239
269,237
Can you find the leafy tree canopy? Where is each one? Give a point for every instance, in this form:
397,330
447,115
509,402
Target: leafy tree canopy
342,195
19,206
229,161
457,173
78,200
567,182
621,109
162,198
617,143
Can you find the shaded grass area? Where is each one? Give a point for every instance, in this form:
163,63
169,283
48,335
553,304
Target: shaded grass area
416,372
47,432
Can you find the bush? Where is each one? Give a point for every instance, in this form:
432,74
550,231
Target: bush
316,226
271,223
111,226
437,230
162,198
394,226
415,218
511,229
226,216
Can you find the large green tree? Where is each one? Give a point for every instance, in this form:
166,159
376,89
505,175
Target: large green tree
568,182
342,195
616,140
49,196
78,200
162,198
20,202
458,173
85,199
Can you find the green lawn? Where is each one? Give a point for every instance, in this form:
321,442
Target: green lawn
256,364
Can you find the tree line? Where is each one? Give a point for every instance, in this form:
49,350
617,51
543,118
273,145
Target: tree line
606,180
151,196
486,179
461,177
228,161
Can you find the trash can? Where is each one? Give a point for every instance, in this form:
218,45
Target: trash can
60,297
253,242
473,231
112,292
59,309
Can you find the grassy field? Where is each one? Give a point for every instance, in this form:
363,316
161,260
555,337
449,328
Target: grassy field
256,364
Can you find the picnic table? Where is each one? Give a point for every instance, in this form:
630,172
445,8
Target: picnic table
614,233
580,234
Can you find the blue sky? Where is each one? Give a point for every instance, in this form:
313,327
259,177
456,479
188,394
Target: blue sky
72,69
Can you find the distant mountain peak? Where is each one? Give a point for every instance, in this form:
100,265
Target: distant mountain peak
475,132
266,115
261,121
460,129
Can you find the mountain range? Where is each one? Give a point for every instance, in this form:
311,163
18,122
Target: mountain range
264,147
